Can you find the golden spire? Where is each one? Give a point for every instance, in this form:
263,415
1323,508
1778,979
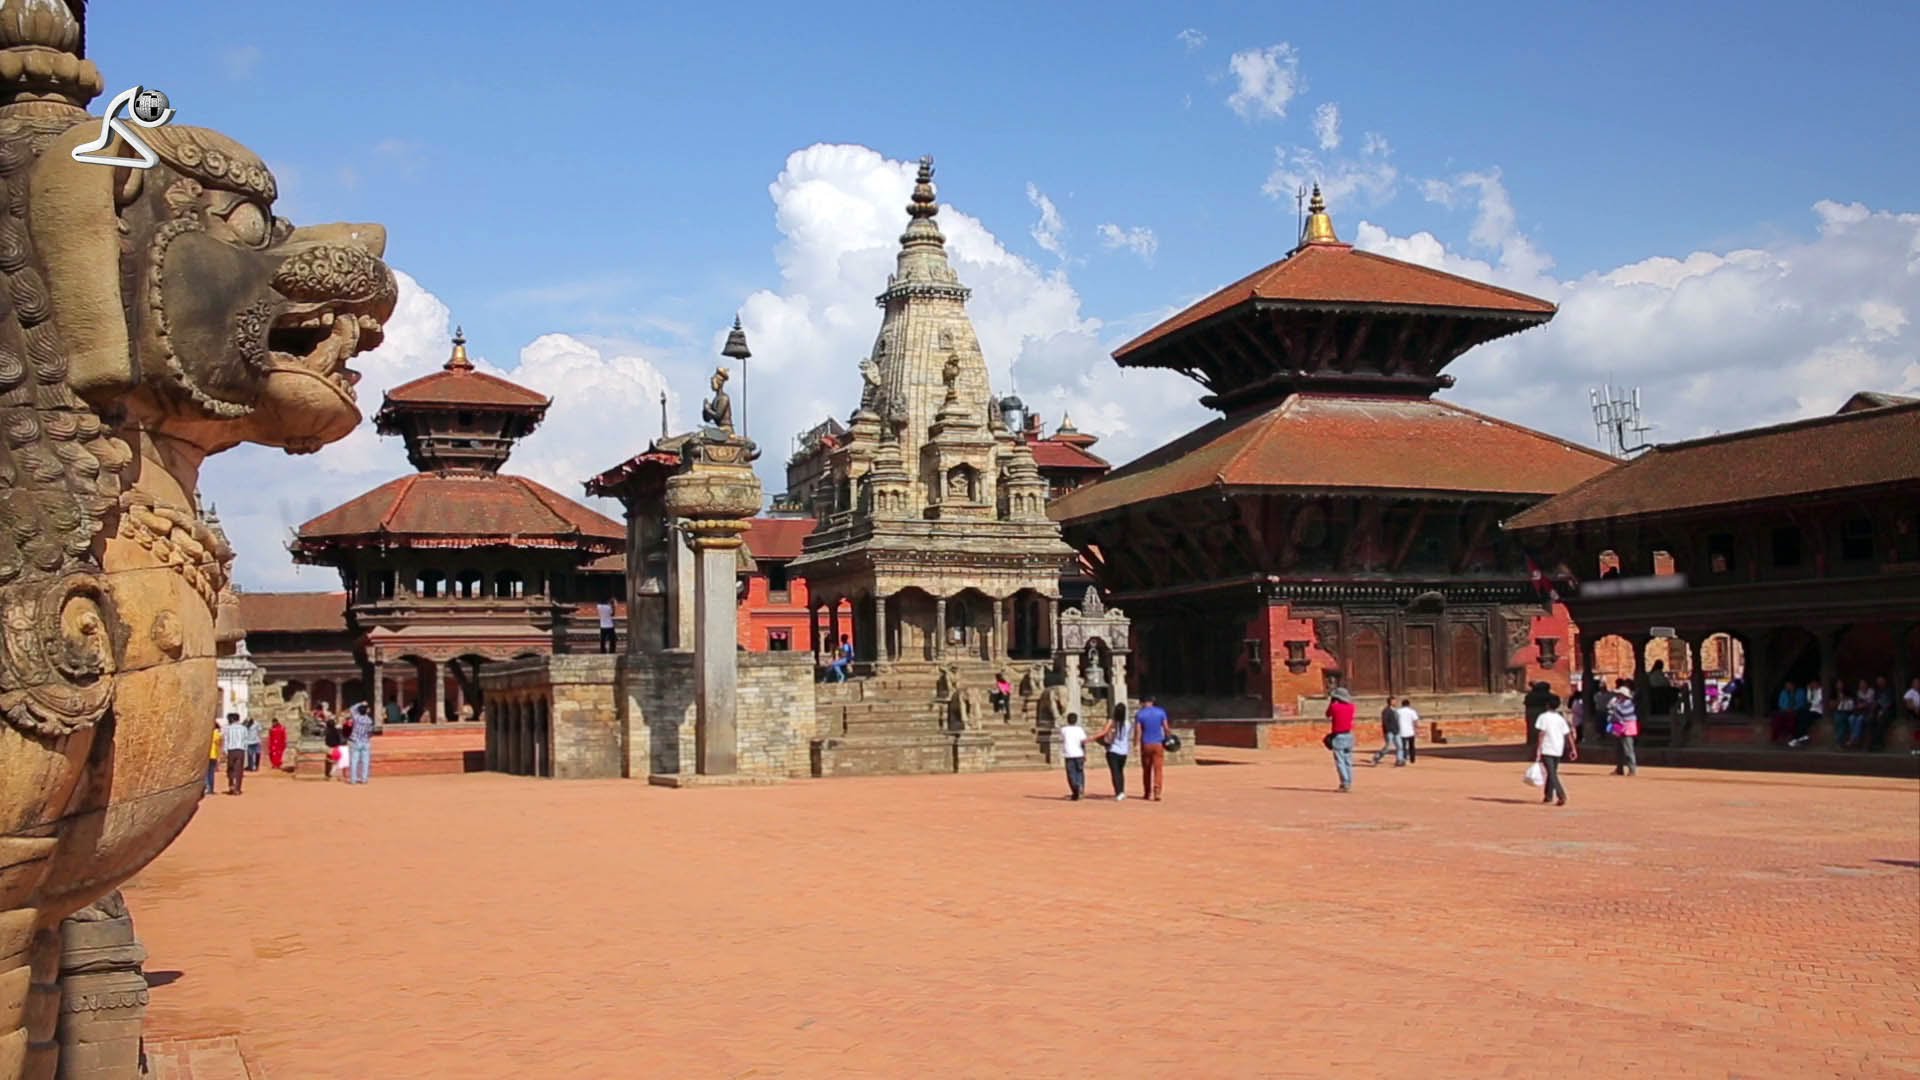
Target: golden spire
1319,228
458,361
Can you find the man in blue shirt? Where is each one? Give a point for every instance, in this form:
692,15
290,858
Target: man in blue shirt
360,744
1152,723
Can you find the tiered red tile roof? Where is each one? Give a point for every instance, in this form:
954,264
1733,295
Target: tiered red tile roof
1868,447
1329,274
1327,442
293,612
465,509
459,383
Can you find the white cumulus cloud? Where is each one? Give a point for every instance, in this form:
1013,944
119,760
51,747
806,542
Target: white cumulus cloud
1138,239
1050,231
1366,178
605,407
1716,341
1265,81
1326,125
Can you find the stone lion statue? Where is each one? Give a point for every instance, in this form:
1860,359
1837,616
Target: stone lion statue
148,319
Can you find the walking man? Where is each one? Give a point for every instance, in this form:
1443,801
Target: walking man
1152,722
1340,735
235,740
604,609
253,745
1623,723
1557,741
1073,750
1390,730
1409,727
360,744
1117,737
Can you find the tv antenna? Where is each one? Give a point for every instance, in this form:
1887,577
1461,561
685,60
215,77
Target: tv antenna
1617,420
1300,213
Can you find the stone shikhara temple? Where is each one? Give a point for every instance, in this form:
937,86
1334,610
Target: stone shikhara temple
933,543
937,528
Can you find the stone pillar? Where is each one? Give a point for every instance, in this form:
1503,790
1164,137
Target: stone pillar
103,994
883,633
1829,677
427,695
833,627
997,631
1697,691
717,493
379,694
939,627
680,589
1073,689
1120,694
1588,699
813,628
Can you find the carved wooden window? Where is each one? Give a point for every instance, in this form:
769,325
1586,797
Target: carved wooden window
1420,659
779,639
1469,659
1367,668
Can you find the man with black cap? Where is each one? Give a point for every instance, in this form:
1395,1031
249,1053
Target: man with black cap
1340,735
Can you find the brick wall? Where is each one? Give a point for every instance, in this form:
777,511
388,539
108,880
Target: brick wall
774,722
585,739
776,714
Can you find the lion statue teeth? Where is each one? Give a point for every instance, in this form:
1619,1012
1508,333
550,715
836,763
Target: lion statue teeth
148,319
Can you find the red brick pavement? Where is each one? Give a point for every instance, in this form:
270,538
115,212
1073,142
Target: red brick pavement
1435,922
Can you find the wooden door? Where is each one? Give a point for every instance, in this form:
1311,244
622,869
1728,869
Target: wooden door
1469,660
1420,660
1367,669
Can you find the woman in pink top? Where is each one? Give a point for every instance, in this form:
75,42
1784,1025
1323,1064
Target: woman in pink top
1623,723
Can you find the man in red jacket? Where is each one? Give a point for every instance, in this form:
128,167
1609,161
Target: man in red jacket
1340,735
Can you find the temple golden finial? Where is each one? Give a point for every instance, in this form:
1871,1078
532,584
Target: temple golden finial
458,361
1319,228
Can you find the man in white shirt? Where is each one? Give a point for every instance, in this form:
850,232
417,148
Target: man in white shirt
1073,750
1409,726
234,738
605,610
1557,742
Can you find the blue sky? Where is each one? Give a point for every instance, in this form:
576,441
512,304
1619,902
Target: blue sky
603,172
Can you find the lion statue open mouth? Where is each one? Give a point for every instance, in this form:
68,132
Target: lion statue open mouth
148,318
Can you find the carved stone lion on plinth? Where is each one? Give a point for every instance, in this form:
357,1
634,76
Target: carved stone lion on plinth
148,319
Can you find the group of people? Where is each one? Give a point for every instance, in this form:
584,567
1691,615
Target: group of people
841,665
1557,736
349,744
1146,728
238,744
1862,715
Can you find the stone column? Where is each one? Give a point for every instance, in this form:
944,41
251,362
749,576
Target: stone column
718,494
680,589
833,627
939,627
997,642
427,694
883,649
813,627
103,994
1073,689
1587,697
1697,691
1120,695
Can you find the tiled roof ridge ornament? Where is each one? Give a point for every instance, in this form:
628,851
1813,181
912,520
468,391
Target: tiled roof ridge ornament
458,361
1319,227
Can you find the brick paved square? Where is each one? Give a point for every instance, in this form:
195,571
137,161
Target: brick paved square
1435,922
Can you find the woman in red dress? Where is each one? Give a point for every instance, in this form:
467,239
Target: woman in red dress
277,743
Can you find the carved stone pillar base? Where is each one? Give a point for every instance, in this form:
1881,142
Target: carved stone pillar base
103,994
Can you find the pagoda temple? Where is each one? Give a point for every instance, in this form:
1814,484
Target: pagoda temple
458,564
1338,524
936,531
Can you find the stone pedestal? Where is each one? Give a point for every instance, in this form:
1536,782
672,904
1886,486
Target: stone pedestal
103,994
716,494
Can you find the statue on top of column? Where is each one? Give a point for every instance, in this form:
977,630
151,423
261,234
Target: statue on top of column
718,411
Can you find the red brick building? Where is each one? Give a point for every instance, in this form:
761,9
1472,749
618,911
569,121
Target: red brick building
1338,524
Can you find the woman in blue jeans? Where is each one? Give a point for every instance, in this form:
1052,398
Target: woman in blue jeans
1117,737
